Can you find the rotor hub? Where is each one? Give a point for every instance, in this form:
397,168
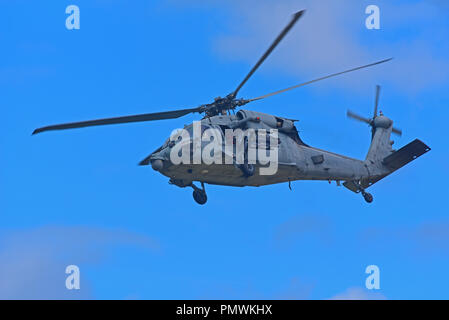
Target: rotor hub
382,122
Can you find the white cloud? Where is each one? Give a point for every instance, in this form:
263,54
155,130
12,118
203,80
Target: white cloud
300,228
331,37
430,237
357,293
33,262
297,290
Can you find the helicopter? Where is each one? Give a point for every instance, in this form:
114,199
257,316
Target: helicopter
295,160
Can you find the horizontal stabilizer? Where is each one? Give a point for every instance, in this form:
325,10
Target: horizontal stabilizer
394,161
408,153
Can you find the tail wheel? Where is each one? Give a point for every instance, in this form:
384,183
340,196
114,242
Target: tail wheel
368,197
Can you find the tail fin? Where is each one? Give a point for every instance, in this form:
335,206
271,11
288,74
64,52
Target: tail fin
381,159
381,128
381,145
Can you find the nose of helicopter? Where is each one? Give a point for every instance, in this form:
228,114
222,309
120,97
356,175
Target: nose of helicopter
157,164
159,158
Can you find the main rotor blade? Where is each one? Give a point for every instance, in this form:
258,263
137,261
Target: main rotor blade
134,118
319,79
355,116
295,18
376,103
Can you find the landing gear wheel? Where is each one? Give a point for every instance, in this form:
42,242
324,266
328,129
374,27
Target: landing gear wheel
247,169
368,197
200,196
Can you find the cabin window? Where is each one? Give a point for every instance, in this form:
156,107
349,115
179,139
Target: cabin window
279,122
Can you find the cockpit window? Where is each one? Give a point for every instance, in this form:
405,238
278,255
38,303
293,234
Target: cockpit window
166,143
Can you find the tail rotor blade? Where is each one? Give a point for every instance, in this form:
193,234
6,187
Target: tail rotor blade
355,116
397,131
376,103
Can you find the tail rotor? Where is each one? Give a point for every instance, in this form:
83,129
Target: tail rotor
370,121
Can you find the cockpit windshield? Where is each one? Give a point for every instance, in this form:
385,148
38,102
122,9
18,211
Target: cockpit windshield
189,129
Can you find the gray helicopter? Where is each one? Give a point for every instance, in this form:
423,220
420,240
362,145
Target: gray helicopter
295,160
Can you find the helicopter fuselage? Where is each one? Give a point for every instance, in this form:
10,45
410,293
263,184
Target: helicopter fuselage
294,159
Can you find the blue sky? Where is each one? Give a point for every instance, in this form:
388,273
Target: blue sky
78,197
